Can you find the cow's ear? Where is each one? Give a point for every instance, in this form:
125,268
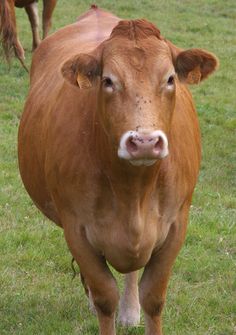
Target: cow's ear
81,70
195,65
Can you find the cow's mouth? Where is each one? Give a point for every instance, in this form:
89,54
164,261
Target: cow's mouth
142,162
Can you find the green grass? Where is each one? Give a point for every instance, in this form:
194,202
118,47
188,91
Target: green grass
37,295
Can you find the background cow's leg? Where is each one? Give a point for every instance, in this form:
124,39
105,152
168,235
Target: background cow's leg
153,284
32,11
97,275
129,309
48,8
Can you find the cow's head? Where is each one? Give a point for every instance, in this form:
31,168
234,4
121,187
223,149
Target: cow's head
137,72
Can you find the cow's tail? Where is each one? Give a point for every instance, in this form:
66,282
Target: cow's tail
8,34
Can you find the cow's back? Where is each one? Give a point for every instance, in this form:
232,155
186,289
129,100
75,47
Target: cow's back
81,37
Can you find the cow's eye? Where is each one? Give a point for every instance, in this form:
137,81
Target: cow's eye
171,80
107,82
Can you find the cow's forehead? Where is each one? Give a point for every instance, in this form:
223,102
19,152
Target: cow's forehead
147,46
151,53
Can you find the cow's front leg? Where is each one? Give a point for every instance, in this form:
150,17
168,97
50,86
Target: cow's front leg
97,275
153,284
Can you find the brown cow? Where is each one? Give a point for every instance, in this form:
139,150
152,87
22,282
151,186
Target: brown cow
8,31
109,149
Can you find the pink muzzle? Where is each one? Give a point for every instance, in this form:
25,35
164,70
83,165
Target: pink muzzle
143,148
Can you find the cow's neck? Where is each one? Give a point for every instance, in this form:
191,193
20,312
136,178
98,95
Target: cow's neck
125,180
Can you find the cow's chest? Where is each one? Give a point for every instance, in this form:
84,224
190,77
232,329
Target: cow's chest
127,233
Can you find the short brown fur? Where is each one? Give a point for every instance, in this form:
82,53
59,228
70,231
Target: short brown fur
111,211
135,30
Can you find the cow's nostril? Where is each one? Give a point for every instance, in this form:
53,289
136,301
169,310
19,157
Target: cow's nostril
159,145
131,145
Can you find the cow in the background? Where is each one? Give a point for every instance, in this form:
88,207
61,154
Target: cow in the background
109,149
8,30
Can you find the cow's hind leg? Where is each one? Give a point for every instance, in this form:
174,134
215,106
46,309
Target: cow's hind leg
48,8
8,31
32,11
89,294
97,275
154,281
129,308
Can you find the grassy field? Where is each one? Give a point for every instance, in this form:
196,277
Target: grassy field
37,295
